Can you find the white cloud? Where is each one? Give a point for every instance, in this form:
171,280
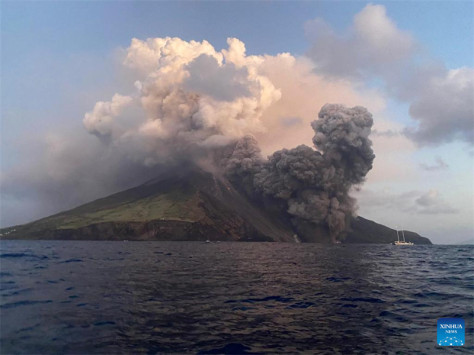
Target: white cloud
372,45
101,120
444,111
441,101
187,93
379,36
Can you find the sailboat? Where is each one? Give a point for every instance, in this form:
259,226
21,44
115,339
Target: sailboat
402,242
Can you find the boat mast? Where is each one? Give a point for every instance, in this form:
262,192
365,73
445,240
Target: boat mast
398,237
403,234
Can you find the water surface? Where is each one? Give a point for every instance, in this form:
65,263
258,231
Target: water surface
189,297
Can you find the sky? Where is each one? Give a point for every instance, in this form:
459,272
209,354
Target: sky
409,62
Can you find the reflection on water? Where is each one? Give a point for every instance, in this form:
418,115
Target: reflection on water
151,297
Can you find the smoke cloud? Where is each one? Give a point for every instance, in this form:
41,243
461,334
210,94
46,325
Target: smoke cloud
197,104
193,104
190,99
313,183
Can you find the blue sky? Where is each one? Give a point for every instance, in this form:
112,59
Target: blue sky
59,58
62,28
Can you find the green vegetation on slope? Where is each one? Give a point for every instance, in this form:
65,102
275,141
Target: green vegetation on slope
172,200
170,206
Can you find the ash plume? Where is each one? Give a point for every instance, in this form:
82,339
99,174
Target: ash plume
209,120
313,183
190,100
194,105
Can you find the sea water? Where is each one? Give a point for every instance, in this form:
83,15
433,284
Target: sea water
191,297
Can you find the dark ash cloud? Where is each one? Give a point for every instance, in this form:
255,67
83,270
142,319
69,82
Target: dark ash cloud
312,185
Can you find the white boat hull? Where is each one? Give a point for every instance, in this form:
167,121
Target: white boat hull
403,243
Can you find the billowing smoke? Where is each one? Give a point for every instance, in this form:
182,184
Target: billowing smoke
193,104
314,184
190,99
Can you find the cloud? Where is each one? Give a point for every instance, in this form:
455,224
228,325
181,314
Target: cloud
221,82
431,203
371,45
144,56
189,97
101,120
374,48
444,110
439,165
420,202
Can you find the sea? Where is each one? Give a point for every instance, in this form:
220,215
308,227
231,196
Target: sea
96,297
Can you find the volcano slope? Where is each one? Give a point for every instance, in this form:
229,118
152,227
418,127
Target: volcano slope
189,204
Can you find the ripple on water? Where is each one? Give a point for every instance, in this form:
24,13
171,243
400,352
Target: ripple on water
232,348
22,255
103,323
71,261
301,305
264,299
337,279
363,299
23,303
18,292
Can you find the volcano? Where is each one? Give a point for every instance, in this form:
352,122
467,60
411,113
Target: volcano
190,204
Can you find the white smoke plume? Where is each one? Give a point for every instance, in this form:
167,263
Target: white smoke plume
191,98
